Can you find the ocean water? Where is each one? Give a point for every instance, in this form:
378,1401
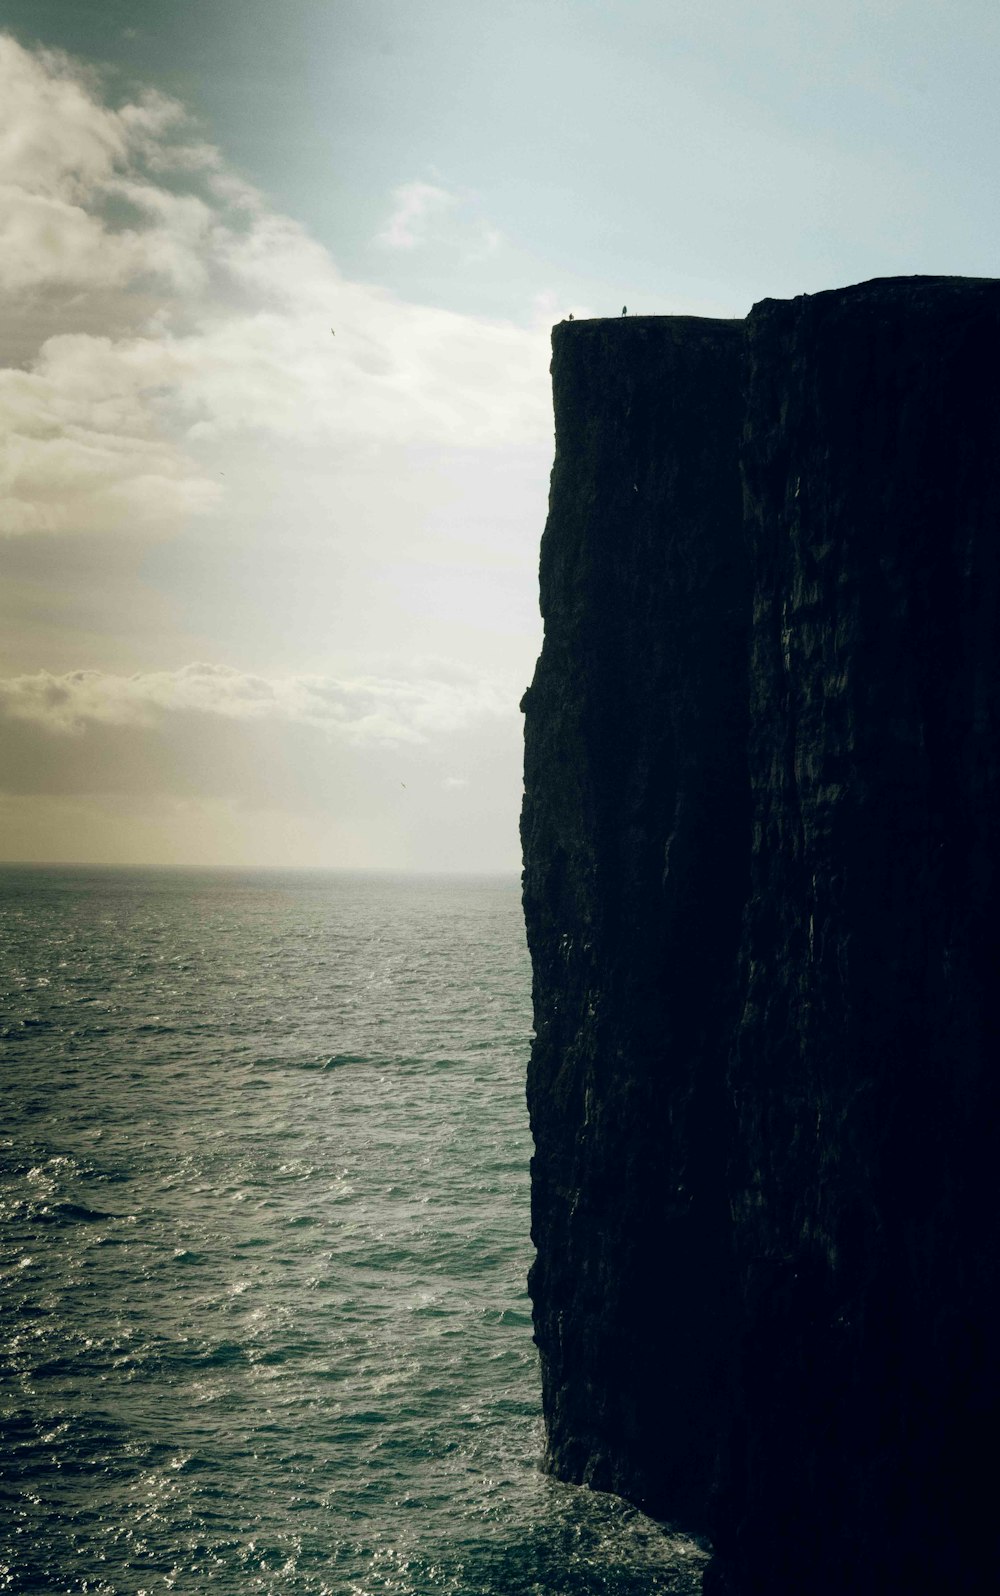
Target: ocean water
263,1245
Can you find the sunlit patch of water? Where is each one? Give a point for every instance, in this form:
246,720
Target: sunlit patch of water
265,1237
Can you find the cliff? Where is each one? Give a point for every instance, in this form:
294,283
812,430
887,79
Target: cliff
761,835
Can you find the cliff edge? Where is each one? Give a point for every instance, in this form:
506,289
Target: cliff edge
762,836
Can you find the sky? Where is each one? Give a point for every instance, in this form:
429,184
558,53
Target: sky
277,279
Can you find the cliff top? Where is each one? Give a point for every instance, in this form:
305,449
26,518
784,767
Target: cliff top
917,287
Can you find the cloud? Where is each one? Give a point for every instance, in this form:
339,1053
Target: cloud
64,159
424,214
219,315
54,137
179,360
416,204
81,450
207,764
367,710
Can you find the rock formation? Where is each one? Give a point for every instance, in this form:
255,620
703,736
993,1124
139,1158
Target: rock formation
762,842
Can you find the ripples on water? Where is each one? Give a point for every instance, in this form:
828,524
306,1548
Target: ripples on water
264,1203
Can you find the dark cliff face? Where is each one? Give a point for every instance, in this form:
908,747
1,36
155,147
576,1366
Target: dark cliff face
634,826
866,1061
762,835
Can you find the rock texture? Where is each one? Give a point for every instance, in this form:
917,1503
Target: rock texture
635,818
762,840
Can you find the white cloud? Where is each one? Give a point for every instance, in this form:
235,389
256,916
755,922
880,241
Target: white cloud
416,205
54,136
81,450
63,156
45,240
231,313
367,710
485,245
424,214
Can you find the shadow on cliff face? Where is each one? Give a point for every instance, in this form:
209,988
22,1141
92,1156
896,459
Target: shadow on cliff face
636,810
762,892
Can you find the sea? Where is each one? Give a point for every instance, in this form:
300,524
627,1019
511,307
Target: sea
264,1233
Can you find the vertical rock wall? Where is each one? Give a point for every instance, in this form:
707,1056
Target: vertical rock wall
762,910
868,1056
634,822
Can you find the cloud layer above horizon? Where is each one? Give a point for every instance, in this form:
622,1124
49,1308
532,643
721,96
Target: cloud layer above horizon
183,365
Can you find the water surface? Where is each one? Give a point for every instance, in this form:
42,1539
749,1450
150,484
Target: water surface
264,1204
